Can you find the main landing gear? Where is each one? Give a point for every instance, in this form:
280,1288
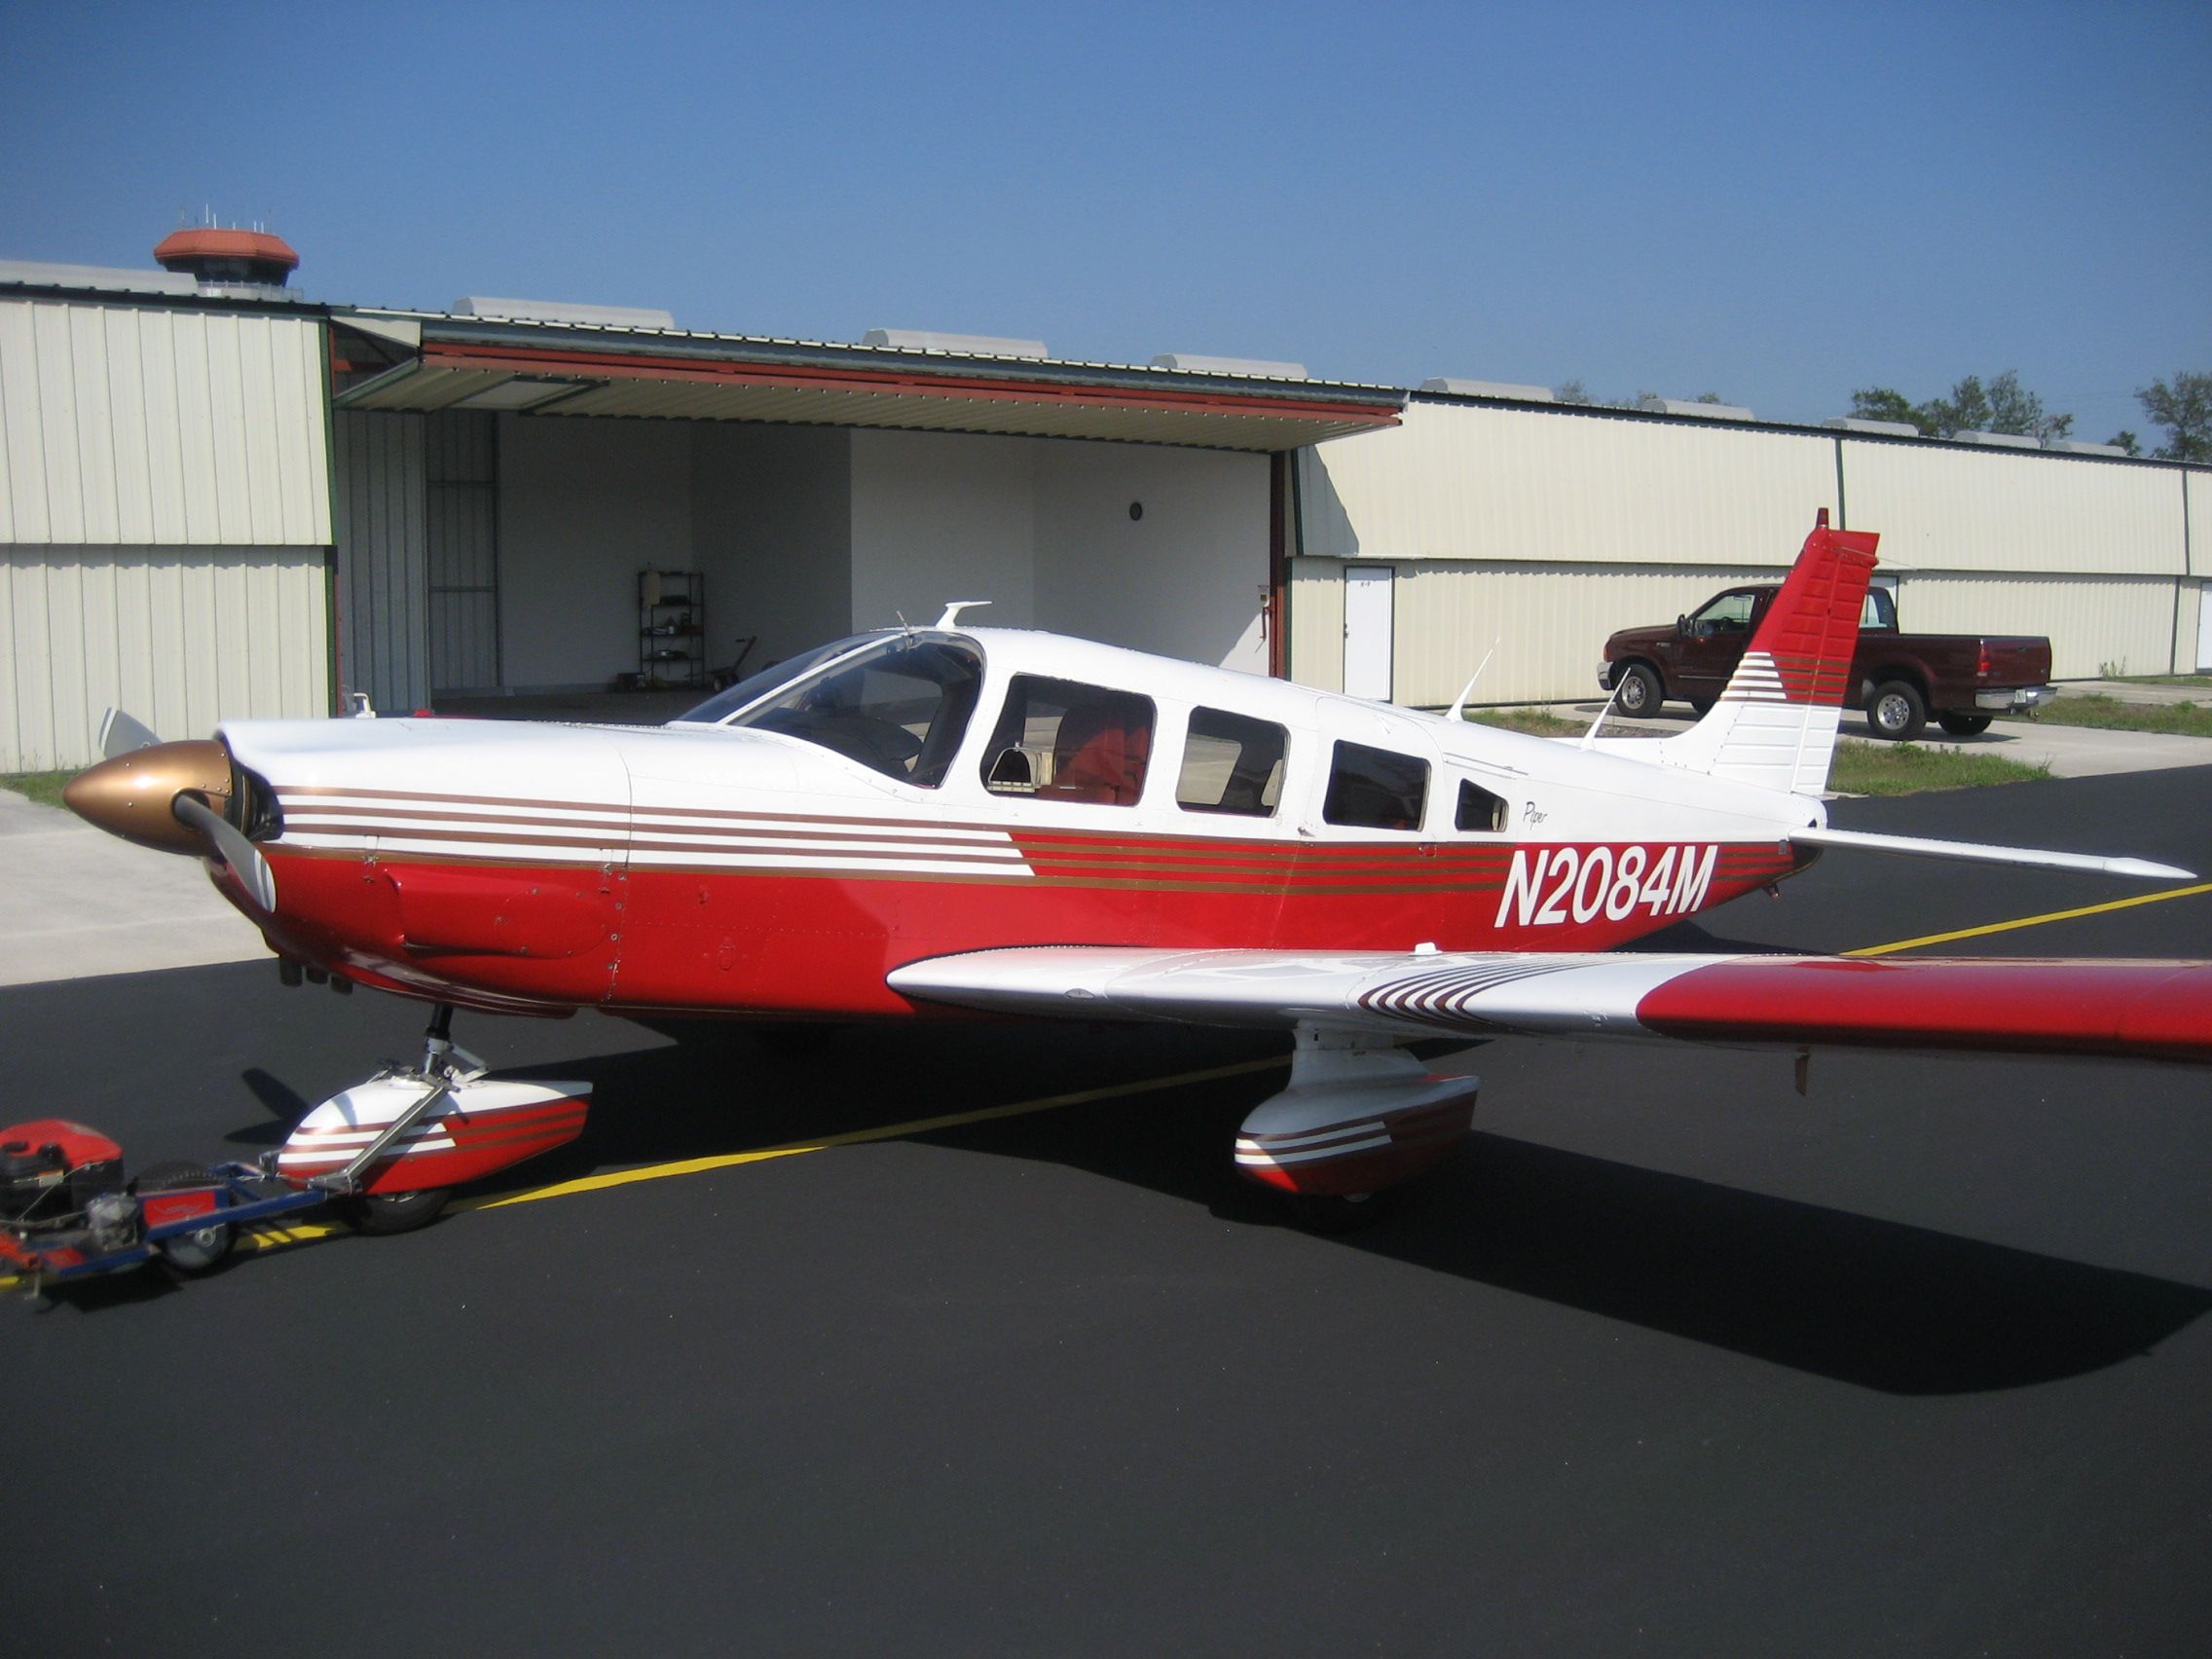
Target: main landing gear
1360,1116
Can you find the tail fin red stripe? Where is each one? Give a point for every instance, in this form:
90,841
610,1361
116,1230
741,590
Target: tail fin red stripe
1811,630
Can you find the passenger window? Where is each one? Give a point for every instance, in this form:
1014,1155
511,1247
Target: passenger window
1230,764
1479,809
1374,789
1059,740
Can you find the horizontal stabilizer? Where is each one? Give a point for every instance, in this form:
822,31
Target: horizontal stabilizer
1914,847
2149,1010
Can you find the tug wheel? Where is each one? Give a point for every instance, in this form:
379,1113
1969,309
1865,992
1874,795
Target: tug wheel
198,1250
1333,1214
382,1214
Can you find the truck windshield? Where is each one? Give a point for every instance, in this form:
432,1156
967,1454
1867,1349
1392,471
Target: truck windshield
899,703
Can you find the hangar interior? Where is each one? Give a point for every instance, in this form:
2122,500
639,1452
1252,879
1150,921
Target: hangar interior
503,552
502,484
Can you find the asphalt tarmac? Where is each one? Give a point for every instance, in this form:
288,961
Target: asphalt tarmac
1664,1360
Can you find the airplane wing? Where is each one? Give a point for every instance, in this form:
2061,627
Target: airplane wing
2157,1010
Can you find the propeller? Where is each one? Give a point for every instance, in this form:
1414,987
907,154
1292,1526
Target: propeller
231,847
163,794
120,734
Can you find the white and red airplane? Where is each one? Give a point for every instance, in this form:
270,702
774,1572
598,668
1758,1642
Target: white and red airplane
922,822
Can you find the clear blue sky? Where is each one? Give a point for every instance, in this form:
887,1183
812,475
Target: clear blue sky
1775,202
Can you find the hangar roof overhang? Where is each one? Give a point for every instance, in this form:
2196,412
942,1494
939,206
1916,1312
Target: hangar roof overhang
452,363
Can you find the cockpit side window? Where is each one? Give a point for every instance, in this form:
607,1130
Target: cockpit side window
1375,789
1232,764
900,709
1061,740
1479,810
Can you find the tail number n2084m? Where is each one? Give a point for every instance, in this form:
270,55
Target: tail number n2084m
1560,884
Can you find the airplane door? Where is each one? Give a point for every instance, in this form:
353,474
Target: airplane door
1368,628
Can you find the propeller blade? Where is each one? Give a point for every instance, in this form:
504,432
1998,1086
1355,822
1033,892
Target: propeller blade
120,734
233,848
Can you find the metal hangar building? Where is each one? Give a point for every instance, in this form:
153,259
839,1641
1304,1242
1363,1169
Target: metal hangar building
219,499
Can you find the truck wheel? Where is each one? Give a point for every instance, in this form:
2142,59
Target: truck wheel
1963,725
1638,691
1897,710
198,1250
382,1214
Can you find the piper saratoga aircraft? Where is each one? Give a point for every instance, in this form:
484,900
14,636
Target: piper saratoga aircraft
937,822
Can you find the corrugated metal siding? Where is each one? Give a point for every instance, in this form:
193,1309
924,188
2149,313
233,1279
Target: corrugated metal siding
121,425
1316,603
2197,487
180,637
1549,625
384,584
462,501
1966,508
1459,482
2187,605
2122,623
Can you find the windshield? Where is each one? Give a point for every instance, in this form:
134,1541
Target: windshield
898,703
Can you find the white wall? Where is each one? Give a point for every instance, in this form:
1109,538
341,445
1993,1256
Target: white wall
941,516
772,529
1185,579
180,637
129,425
584,506
1966,507
1466,482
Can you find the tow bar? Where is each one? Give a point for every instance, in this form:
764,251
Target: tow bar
383,1154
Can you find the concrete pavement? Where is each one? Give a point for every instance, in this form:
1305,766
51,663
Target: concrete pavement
76,902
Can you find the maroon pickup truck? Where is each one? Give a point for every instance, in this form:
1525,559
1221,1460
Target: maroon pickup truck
1898,678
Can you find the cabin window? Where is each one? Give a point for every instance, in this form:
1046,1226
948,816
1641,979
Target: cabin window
899,706
1060,740
1479,809
1230,764
1374,789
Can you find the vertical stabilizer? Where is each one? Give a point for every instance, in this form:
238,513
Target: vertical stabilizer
1775,725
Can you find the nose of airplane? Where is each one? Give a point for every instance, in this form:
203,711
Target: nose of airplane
134,795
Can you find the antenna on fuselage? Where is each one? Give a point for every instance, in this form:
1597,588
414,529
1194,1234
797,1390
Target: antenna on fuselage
952,616
1591,736
1460,703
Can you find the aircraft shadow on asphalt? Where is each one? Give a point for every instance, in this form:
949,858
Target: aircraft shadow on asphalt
1885,1305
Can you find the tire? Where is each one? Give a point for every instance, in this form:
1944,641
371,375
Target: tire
1964,725
380,1215
1638,693
201,1249
1701,707
1333,1215
1897,710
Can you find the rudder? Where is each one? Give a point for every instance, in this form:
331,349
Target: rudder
1775,725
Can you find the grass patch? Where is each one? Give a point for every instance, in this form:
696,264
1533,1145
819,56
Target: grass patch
1907,768
2171,678
1535,722
1860,768
45,788
2111,713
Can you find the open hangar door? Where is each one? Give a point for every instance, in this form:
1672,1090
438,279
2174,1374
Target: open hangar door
501,497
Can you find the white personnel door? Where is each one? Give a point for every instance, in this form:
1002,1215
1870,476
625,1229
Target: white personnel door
2205,626
1368,627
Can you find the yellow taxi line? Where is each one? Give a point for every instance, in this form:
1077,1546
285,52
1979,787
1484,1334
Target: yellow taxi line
2031,921
276,1237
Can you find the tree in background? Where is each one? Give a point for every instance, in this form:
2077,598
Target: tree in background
2004,405
2185,409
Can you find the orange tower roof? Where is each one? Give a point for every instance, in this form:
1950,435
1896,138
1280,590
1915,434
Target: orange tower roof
189,251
